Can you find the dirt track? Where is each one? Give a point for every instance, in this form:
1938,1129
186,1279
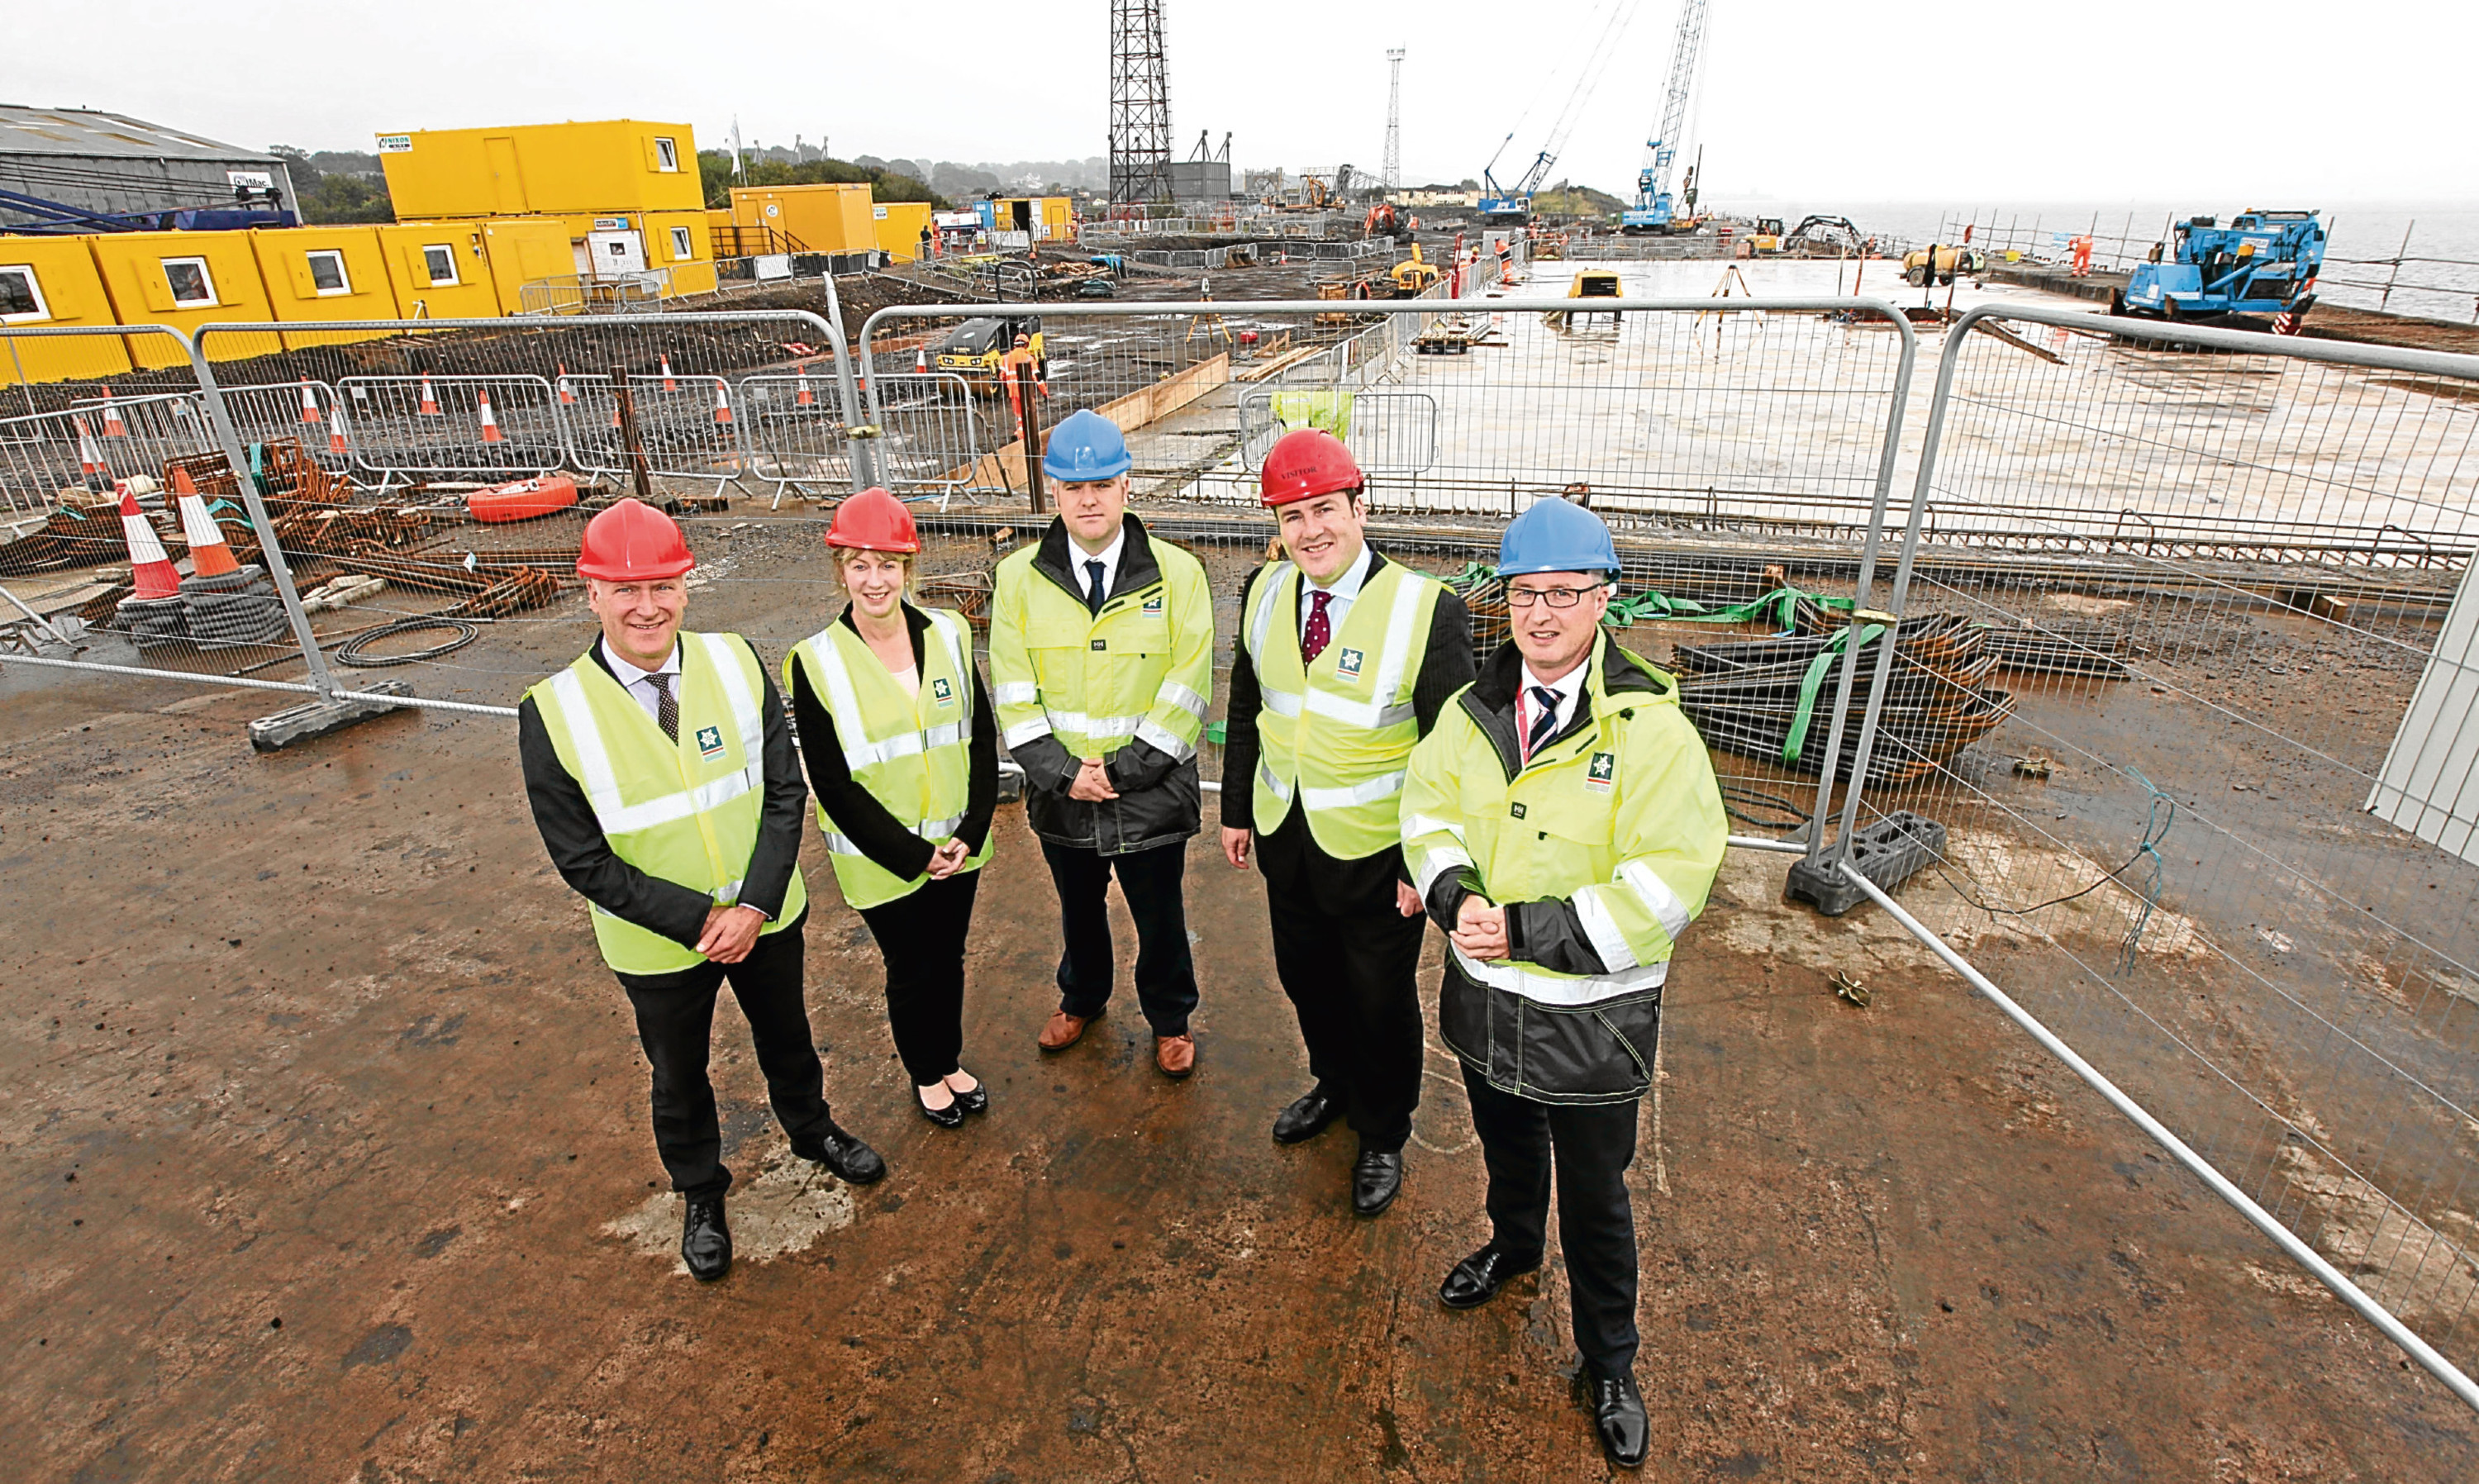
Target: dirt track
327,1160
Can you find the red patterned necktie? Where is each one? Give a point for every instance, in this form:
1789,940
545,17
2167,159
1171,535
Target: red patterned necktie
1320,630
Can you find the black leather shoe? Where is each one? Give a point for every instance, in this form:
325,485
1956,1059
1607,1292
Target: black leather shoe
1477,1279
951,1116
1618,1413
1376,1179
977,1101
1306,1117
846,1157
705,1241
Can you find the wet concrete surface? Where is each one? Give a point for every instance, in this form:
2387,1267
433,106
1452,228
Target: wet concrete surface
327,1158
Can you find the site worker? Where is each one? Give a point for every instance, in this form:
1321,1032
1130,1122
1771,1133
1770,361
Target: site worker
903,754
1563,826
662,777
1344,661
1020,375
1101,664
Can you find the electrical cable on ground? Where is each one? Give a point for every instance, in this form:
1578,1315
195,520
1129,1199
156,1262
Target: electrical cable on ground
353,652
2156,829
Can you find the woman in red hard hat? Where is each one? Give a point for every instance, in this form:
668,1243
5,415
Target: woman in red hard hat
903,754
663,781
1344,661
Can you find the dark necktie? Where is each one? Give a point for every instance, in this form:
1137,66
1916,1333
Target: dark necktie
1320,630
1093,594
1544,723
667,708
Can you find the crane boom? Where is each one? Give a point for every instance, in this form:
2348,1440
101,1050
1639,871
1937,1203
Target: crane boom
1652,211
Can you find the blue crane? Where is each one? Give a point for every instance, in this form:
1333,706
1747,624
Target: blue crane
1500,206
1654,209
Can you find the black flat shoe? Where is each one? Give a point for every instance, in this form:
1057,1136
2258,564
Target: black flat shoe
1376,1179
1307,1116
977,1101
951,1116
705,1241
847,1158
1477,1279
1618,1413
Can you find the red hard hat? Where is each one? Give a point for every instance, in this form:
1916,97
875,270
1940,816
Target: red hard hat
633,542
1306,463
873,521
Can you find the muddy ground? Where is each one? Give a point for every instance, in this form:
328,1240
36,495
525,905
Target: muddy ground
327,1158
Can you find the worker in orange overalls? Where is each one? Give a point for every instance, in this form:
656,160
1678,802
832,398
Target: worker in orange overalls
1021,374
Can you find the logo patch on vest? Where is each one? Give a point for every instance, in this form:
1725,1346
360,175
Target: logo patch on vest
1152,606
1601,773
709,741
942,692
1346,665
1515,808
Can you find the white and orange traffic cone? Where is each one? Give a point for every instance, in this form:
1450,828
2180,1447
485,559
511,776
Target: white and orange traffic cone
209,556
309,402
148,567
113,426
89,457
805,398
920,361
336,434
669,385
429,407
722,405
567,392
489,425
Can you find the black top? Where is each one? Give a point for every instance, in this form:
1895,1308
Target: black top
1446,669
583,856
858,814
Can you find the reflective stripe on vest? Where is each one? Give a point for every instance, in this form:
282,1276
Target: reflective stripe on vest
603,785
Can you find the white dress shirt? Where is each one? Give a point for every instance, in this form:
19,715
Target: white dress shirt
1346,588
638,682
1569,689
1107,556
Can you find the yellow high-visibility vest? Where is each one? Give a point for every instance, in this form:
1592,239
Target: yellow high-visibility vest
912,753
686,811
1142,668
1335,734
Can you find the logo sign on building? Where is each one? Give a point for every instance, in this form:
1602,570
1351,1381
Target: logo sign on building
611,224
251,179
395,143
878,211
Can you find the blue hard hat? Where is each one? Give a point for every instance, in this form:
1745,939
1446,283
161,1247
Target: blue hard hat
1086,447
1556,536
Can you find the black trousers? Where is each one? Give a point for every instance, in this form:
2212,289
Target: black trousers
1151,881
675,1023
921,936
1351,964
1589,1148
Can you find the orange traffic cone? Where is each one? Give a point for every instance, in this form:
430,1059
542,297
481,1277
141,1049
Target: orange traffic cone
722,405
805,398
490,423
309,402
209,556
429,407
669,385
148,567
89,457
567,393
113,426
920,361
615,414
336,434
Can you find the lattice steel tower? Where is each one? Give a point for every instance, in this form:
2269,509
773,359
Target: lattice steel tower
1394,120
1140,104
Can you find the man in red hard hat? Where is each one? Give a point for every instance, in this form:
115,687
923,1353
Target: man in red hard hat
1344,661
663,780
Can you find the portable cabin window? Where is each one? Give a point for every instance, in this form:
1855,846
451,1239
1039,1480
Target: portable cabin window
667,155
681,245
21,297
439,261
327,274
191,283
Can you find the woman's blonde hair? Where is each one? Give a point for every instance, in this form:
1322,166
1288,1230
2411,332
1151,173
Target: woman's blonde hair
843,555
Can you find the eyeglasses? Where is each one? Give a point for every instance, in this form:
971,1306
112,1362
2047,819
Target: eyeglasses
1555,597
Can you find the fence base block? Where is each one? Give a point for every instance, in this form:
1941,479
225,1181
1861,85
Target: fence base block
318,718
1889,853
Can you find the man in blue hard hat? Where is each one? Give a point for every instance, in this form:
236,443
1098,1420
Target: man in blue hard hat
1101,666
1563,826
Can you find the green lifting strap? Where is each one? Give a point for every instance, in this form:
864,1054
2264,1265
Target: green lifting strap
1214,733
1781,606
1815,682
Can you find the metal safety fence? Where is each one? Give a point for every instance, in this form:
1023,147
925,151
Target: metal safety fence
2196,817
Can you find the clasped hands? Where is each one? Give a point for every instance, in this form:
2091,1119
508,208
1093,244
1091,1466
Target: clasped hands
1092,783
1480,929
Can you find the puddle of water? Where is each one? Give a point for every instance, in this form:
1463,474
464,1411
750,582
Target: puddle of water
779,1205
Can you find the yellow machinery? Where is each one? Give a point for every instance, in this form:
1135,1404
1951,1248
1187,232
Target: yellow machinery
1769,235
975,348
1589,283
1415,275
1950,262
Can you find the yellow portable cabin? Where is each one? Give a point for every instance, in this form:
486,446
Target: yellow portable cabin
183,279
53,281
605,167
440,269
682,244
830,217
314,273
899,226
1047,217
522,250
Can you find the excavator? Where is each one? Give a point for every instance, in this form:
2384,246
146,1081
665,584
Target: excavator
1385,221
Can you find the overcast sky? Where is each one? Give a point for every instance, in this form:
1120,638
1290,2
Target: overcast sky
2321,102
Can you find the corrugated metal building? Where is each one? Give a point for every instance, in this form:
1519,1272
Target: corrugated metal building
112,164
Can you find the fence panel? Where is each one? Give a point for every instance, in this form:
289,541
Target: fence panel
2185,583
402,428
